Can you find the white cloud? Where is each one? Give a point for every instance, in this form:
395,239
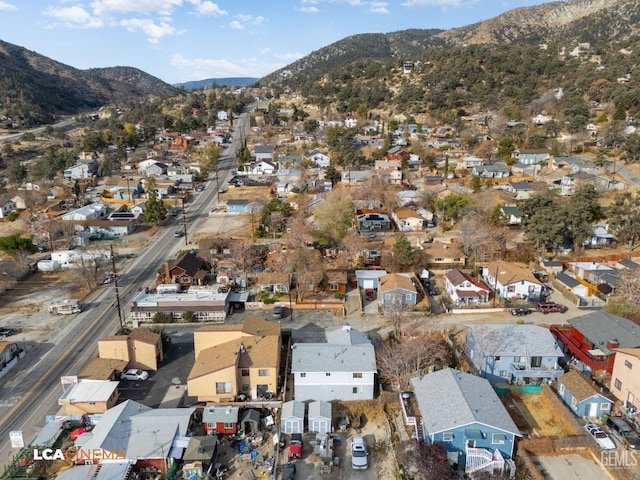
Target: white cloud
309,10
199,68
153,31
289,56
379,7
7,6
264,51
73,17
208,9
431,3
236,24
109,7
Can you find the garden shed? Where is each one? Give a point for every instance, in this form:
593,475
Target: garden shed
250,421
292,419
319,417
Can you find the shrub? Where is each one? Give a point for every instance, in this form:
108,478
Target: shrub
12,216
190,317
162,317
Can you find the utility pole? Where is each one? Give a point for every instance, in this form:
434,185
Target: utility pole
184,221
115,282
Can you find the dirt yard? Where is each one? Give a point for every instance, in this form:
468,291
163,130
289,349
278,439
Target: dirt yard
542,417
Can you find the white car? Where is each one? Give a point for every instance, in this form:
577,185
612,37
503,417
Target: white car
600,436
134,374
359,454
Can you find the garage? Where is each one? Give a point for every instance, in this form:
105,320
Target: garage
292,419
319,417
369,278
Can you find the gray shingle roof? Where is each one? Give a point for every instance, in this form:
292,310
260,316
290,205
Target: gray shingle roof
449,398
516,340
325,357
568,280
600,327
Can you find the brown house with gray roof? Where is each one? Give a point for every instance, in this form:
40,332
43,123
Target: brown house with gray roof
188,270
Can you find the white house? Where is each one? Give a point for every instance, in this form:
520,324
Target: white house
408,220
320,160
350,122
464,289
78,171
152,168
259,167
6,206
344,368
77,258
471,161
222,116
92,211
263,152
512,281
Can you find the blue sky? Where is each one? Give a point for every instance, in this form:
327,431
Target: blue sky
182,40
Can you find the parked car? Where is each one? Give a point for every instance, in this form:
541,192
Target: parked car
369,294
295,446
222,189
278,312
288,471
200,188
620,429
134,374
178,233
7,331
600,436
551,307
359,460
519,312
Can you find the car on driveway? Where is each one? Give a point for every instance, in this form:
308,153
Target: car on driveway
600,436
134,374
295,446
620,429
551,307
520,311
359,460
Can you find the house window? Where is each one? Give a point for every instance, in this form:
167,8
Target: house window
447,437
511,288
497,358
333,287
574,403
228,426
357,375
408,297
303,375
223,387
604,406
618,384
628,364
310,286
561,389
245,373
456,259
498,438
263,372
356,390
503,373
439,259
327,374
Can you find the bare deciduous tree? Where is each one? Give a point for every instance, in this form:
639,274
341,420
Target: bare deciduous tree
426,461
400,360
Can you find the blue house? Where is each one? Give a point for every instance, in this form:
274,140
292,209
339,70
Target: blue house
582,397
521,354
463,413
240,206
369,278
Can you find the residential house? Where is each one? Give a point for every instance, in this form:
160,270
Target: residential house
625,381
511,214
574,164
522,169
521,354
235,360
394,157
241,205
582,397
593,272
355,177
222,116
111,228
144,435
344,368
531,156
88,397
443,256
220,419
570,284
389,171
263,152
570,182
369,278
336,282
463,413
519,190
6,206
600,237
408,220
491,171
259,167
93,211
81,170
141,349
396,292
152,168
187,270
350,121
512,281
471,161
278,283
319,159
591,340
372,220
464,290
209,303
551,267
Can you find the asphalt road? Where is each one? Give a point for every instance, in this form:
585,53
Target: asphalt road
32,392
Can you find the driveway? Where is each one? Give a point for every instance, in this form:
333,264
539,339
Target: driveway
571,467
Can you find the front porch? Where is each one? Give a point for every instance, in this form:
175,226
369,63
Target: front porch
485,460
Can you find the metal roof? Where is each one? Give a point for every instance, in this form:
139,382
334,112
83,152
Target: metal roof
600,327
324,357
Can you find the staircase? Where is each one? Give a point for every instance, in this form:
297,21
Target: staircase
419,432
483,460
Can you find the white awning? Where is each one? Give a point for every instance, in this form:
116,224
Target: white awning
596,352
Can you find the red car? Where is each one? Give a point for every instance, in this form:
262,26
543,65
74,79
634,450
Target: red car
77,432
551,307
295,446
